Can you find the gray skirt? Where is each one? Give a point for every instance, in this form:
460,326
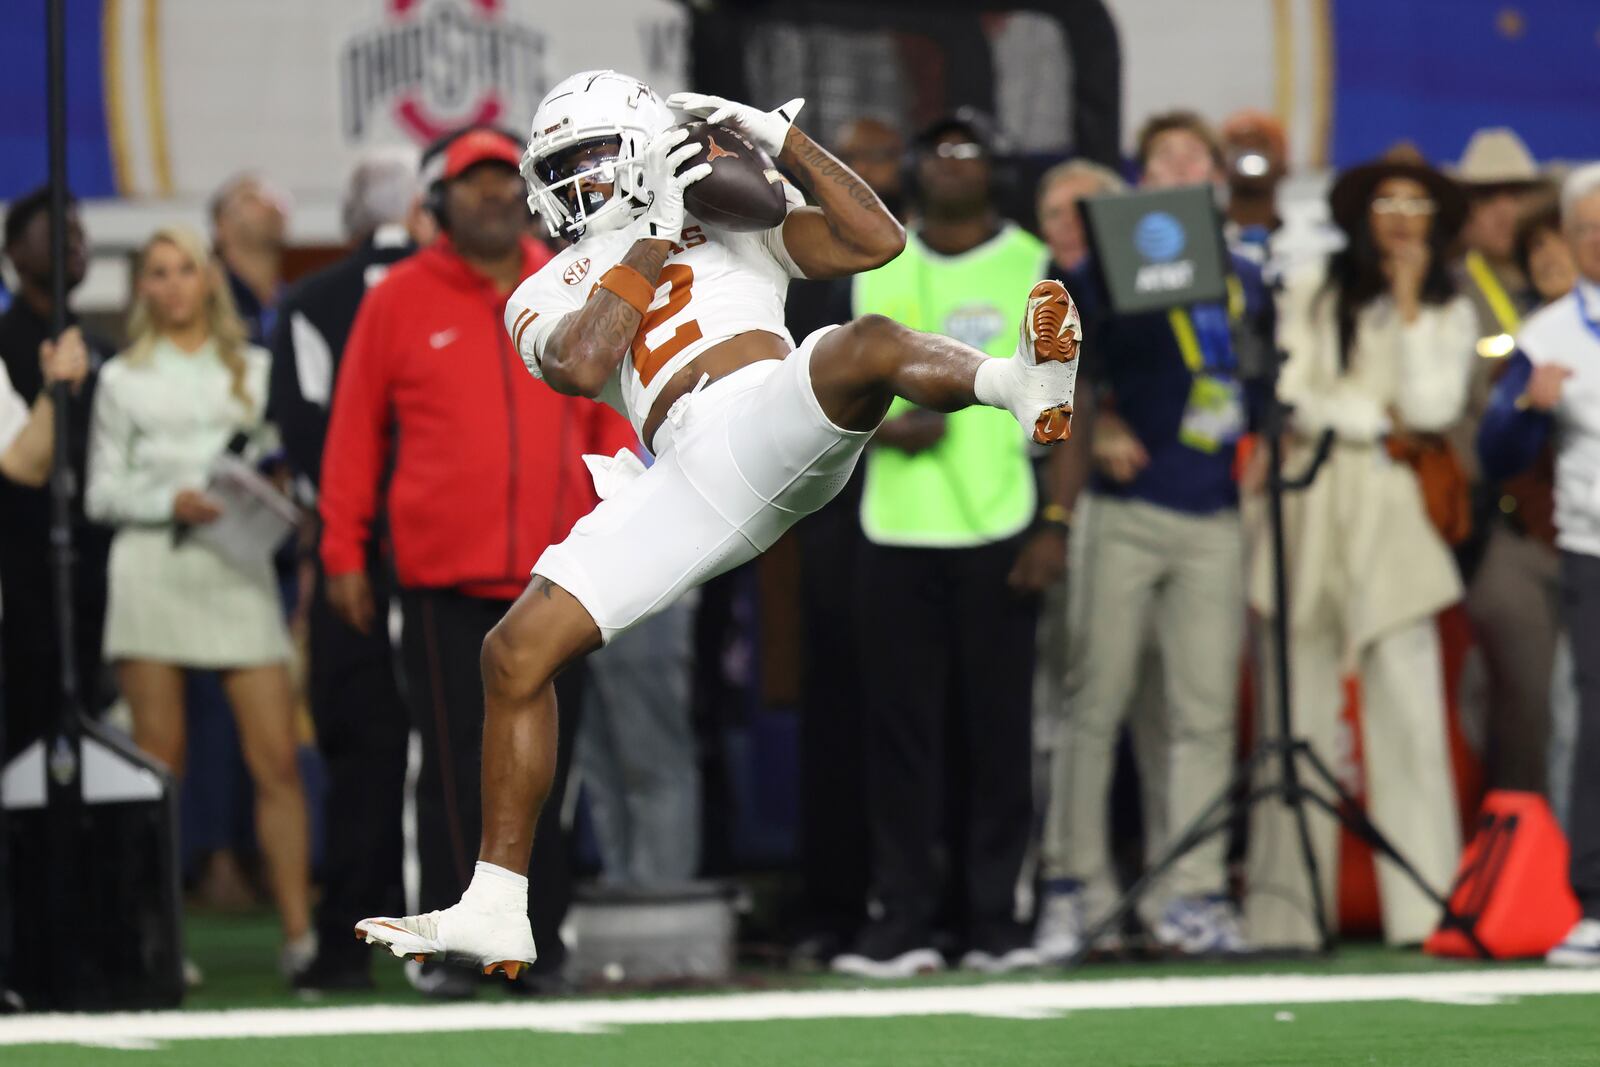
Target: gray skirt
188,606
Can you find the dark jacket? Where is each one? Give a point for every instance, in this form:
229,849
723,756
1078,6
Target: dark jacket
1138,368
314,322
28,654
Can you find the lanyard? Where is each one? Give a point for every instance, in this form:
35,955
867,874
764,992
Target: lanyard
1592,324
1183,331
1494,294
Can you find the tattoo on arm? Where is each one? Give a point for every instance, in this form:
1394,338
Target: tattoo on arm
857,231
542,585
599,333
823,175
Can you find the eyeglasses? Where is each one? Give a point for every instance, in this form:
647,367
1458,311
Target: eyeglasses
963,150
1407,206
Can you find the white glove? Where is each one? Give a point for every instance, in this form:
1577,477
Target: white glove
768,129
665,184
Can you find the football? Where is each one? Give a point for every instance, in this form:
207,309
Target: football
743,192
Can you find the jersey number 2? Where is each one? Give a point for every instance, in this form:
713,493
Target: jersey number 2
648,361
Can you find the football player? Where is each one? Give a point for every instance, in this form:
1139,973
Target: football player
680,327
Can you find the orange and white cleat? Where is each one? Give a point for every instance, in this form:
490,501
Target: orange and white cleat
1036,384
494,941
1050,336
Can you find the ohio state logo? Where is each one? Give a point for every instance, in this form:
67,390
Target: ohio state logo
437,65
576,271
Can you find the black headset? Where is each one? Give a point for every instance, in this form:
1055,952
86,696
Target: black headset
433,195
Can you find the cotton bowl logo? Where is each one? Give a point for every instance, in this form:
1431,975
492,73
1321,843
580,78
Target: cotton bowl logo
975,324
437,65
1159,237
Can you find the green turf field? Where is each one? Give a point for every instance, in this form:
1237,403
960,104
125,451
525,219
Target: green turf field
1365,1006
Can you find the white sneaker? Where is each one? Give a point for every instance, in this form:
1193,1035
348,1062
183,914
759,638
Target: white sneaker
907,964
1036,385
1022,958
492,940
296,955
1059,935
1580,948
1201,926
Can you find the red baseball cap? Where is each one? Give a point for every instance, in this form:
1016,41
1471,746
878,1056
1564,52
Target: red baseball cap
468,150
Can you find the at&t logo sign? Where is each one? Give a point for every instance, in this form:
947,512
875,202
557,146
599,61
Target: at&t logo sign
1160,239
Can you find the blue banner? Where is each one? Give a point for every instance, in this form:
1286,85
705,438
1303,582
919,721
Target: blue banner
1433,71
24,159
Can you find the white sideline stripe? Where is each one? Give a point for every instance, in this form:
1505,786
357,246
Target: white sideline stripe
1031,1000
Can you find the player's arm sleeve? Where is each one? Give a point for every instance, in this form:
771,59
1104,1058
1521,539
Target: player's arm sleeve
358,440
535,310
772,240
300,389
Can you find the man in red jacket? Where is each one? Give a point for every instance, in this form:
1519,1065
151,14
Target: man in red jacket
484,473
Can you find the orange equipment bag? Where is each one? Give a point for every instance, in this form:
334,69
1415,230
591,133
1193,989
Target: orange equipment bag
1512,889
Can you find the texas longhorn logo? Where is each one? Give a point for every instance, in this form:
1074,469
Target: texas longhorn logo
437,65
716,151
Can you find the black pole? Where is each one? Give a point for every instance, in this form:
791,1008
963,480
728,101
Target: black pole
64,754
1288,771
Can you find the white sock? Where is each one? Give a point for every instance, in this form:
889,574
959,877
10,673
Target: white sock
993,383
496,889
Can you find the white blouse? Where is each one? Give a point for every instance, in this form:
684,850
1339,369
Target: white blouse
159,423
1361,547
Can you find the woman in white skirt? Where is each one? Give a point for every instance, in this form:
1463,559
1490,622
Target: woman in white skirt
165,409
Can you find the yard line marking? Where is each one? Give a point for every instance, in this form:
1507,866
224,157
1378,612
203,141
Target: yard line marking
1009,1000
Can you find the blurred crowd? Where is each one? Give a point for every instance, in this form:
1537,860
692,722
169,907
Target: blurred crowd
1023,674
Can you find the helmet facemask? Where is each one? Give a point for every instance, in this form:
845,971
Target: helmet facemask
591,131
586,186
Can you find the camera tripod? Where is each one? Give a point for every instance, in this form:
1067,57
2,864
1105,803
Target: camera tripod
1303,779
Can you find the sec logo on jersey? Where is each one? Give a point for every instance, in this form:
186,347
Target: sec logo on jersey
576,271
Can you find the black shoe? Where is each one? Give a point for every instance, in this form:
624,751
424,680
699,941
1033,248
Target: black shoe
1000,948
890,949
539,984
442,981
816,951
327,976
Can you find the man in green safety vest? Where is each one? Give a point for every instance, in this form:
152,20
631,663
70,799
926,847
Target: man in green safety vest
960,543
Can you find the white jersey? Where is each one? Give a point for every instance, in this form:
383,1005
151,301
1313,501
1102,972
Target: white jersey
715,285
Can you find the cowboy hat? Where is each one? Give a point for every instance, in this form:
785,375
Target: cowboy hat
1496,157
1352,193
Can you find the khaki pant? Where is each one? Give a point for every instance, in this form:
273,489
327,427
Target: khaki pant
1145,569
1410,790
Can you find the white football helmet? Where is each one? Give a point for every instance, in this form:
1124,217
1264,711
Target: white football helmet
592,128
